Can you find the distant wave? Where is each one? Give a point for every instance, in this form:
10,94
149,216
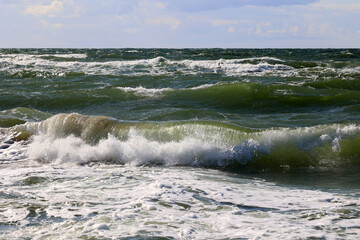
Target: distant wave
154,66
242,96
150,92
45,65
64,55
255,96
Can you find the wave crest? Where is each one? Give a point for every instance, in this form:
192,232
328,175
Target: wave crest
81,139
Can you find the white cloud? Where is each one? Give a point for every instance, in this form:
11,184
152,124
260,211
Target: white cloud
160,5
358,31
231,29
220,22
173,22
322,29
276,31
45,10
46,24
294,30
325,29
311,30
210,5
260,26
337,6
58,25
122,18
130,30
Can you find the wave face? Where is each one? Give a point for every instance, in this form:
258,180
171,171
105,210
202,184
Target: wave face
81,139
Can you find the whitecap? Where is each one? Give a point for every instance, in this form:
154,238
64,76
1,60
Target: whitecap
141,91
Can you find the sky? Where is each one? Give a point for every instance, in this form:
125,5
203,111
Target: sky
180,23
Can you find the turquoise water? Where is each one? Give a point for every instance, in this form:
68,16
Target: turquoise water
259,138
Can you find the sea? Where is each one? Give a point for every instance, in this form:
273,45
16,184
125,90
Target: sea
179,144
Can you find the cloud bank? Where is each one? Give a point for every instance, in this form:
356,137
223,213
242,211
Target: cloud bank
206,5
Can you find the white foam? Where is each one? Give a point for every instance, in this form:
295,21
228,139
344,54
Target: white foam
152,92
73,55
11,151
161,66
198,146
154,66
130,202
235,66
136,150
259,58
205,86
22,56
141,91
58,67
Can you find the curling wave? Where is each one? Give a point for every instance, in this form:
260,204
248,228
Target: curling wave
82,139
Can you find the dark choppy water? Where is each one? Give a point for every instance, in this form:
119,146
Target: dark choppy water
280,129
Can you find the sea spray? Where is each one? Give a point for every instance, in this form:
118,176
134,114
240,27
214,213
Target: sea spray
81,139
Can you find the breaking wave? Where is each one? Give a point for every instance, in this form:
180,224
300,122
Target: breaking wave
81,139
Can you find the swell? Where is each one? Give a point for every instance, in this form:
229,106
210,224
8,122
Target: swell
269,97
82,139
254,97
243,97
20,115
336,84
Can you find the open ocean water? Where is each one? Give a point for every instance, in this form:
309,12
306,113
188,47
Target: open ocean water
179,144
